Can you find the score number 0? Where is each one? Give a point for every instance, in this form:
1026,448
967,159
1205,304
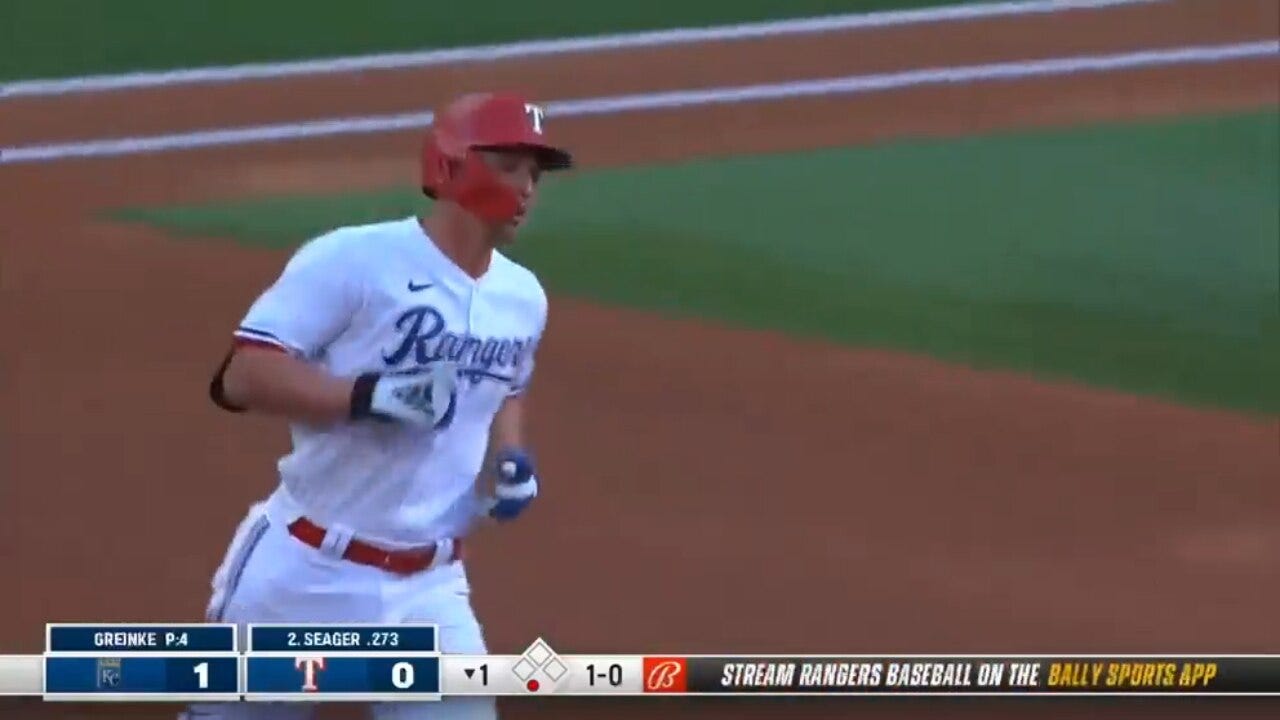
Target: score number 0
402,676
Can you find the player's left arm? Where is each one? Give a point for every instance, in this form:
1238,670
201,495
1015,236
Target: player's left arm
515,481
515,477
507,430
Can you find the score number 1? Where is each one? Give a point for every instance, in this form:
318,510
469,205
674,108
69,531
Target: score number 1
201,675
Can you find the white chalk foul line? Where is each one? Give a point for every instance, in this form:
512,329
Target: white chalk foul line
849,85
426,58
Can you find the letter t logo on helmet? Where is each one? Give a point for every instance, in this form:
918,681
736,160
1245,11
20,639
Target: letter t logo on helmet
484,121
535,114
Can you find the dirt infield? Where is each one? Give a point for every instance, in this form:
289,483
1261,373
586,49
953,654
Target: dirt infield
882,503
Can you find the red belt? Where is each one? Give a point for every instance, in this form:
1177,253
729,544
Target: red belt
401,562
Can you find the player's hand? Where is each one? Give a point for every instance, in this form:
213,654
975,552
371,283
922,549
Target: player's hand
424,397
516,485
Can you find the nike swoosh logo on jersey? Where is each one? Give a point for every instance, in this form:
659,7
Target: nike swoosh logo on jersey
415,287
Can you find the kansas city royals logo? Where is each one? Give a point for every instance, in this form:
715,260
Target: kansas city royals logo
109,673
424,340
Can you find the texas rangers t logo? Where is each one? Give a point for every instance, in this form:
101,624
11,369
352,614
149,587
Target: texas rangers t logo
535,114
310,667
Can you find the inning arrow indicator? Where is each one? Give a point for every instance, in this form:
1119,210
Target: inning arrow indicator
482,668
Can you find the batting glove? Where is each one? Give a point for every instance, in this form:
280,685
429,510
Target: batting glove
424,397
516,487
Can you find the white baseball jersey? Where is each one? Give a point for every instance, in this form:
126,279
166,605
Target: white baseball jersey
383,297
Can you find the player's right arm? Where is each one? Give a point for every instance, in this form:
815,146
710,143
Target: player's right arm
271,381
270,368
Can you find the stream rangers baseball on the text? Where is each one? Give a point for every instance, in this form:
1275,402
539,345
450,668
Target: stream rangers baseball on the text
400,353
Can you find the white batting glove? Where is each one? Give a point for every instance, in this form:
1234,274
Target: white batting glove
425,397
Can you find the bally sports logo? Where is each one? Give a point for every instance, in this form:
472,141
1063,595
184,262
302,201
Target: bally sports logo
666,674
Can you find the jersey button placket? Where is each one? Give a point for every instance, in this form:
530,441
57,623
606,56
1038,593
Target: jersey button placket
471,307
472,291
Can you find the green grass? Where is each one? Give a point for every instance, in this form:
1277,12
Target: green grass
46,38
1142,257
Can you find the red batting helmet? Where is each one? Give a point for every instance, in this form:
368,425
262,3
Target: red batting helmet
484,121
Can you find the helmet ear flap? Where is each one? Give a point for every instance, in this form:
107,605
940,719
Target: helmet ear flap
446,171
450,168
438,169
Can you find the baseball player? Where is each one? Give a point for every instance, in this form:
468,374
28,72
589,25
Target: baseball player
400,353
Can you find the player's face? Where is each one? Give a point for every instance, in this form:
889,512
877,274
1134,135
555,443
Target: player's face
520,171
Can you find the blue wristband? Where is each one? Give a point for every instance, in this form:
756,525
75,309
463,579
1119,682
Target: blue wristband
517,485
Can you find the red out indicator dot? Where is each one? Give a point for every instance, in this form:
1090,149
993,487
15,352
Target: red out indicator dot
532,685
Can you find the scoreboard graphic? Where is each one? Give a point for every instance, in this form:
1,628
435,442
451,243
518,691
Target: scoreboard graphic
349,662
141,662
317,663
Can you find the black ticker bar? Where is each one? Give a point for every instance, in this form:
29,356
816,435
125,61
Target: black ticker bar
986,675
